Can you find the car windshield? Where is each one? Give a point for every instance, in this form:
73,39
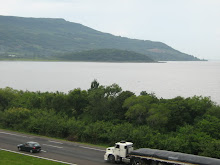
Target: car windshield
34,144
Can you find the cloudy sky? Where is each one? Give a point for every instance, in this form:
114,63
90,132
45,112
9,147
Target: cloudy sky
190,26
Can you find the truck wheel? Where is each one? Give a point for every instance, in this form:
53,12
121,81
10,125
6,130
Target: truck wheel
143,162
135,161
154,163
138,161
111,158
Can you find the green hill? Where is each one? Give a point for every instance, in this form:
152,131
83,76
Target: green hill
105,55
46,38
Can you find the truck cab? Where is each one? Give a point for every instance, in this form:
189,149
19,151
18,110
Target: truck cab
119,152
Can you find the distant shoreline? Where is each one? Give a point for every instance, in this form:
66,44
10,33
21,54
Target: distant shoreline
44,60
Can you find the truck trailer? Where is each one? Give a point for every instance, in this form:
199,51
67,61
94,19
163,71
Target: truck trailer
123,152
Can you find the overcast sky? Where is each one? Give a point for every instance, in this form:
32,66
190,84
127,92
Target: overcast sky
190,26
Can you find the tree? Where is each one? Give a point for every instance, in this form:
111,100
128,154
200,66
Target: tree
210,125
94,84
198,106
137,108
77,100
49,123
192,141
152,95
211,149
214,110
98,107
76,129
179,113
117,105
136,114
100,100
122,131
112,91
144,136
16,118
98,132
7,97
59,102
158,116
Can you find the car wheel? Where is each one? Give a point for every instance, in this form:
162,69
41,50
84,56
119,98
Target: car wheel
111,158
19,148
31,151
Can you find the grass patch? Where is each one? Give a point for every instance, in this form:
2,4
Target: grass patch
9,158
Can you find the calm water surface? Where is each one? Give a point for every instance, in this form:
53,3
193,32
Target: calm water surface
166,80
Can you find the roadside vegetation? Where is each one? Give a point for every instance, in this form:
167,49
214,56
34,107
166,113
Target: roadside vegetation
9,158
106,114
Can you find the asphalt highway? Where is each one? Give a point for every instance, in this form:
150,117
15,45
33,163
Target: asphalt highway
65,151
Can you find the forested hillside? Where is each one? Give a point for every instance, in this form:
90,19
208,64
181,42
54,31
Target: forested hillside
45,38
105,55
107,114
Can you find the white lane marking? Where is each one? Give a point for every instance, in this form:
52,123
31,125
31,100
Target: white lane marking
52,146
38,157
15,134
43,151
91,148
55,142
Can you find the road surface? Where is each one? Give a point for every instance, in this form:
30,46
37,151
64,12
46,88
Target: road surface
70,152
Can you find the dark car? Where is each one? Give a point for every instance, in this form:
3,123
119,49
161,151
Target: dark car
30,147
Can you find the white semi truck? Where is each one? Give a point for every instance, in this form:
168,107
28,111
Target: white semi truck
123,152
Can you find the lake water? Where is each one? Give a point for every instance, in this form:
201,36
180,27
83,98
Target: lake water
166,80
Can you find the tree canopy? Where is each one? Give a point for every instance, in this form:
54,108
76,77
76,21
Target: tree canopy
107,114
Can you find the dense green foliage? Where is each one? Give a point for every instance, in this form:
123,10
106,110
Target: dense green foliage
106,114
105,55
9,158
45,38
